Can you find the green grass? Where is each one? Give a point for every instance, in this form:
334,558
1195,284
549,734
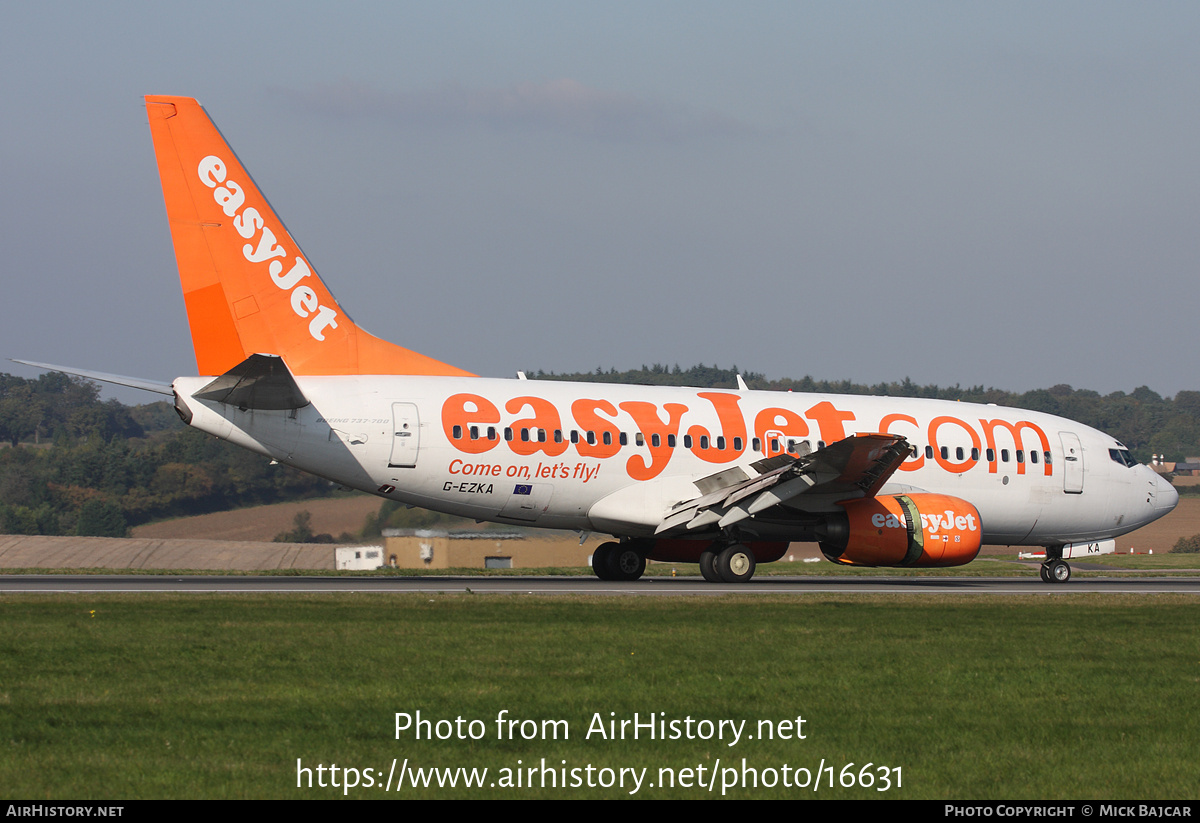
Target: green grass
131,696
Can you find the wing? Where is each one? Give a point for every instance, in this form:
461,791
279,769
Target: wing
855,467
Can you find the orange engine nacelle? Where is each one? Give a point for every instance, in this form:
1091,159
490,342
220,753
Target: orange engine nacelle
905,530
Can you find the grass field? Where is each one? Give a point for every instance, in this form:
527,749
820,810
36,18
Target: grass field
125,696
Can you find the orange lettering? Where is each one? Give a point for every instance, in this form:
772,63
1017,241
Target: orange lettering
645,415
830,420
989,432
732,426
456,414
945,462
542,426
783,421
584,412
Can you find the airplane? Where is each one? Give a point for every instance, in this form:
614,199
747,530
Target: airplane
722,478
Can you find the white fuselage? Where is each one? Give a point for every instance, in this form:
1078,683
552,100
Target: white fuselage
518,451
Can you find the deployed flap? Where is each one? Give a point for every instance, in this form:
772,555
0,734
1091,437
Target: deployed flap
857,466
261,381
863,462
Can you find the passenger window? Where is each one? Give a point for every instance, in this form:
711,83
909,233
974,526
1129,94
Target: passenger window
687,441
737,444
541,435
1046,457
655,440
624,438
492,433
558,436
756,445
1033,457
703,441
721,443
524,435
458,432
591,438
671,441
1004,455
945,452
974,454
774,444
639,439
608,438
574,436
474,432
1020,455
508,433
929,452
991,455
958,454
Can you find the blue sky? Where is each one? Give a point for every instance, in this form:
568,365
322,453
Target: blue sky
997,194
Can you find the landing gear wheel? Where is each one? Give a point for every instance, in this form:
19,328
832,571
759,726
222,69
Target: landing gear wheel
735,564
626,562
602,565
1060,572
708,566
1044,571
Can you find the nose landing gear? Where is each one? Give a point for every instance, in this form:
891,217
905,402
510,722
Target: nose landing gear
1055,570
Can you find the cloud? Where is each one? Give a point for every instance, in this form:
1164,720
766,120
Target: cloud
560,106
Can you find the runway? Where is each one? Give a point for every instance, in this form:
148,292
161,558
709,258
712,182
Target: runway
568,586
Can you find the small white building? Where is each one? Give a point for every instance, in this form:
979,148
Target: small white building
358,558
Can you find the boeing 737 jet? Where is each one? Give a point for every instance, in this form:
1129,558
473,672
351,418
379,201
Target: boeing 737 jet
722,478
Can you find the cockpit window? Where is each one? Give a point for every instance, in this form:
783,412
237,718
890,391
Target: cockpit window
1122,456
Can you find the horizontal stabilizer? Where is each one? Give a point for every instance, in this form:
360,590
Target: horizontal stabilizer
104,377
261,381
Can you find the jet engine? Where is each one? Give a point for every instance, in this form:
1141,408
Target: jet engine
904,530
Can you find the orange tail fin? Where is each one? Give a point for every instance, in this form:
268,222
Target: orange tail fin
247,286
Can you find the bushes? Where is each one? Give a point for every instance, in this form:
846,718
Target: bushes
1187,545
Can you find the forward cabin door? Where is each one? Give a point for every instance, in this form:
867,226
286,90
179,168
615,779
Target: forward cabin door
1072,463
406,437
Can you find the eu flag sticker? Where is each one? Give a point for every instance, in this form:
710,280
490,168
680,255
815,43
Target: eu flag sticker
523,489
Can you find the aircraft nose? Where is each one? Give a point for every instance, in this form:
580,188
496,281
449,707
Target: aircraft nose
1165,496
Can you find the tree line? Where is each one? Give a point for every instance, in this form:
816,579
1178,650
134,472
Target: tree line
75,464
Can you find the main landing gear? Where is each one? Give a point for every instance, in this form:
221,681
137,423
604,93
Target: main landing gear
732,564
618,561
1055,570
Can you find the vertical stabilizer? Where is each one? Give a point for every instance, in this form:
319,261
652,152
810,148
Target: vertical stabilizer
247,286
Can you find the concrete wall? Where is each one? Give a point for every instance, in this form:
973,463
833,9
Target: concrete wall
37,552
529,553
